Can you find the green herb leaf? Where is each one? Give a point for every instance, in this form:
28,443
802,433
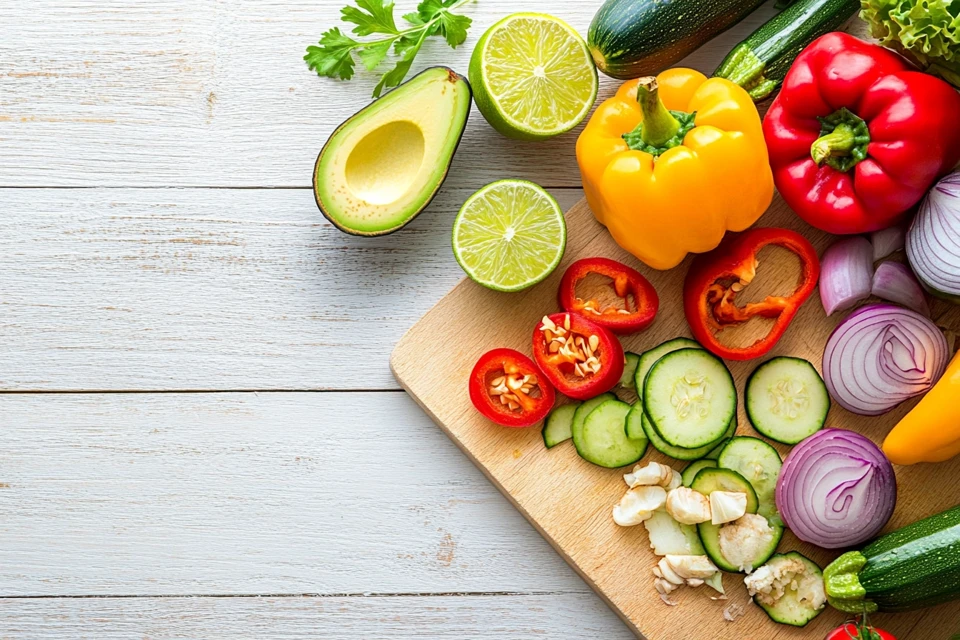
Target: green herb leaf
377,19
451,26
371,56
332,58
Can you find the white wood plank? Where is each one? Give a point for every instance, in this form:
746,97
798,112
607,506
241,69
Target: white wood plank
207,92
209,289
270,493
561,616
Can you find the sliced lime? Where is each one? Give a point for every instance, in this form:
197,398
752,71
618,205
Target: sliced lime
532,76
509,235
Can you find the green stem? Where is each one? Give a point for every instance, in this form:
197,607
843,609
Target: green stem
837,143
659,125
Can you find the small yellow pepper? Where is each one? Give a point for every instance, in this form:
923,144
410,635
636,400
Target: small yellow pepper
931,431
696,168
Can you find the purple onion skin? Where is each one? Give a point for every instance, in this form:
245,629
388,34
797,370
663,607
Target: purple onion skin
894,281
826,464
933,240
846,274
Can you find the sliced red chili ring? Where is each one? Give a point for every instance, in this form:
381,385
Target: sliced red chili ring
579,357
639,299
506,387
715,278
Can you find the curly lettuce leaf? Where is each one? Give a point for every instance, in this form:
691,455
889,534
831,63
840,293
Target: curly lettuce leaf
928,31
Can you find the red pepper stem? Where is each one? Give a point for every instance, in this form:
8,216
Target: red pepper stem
839,142
659,125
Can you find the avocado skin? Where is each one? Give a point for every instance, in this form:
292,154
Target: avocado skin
372,234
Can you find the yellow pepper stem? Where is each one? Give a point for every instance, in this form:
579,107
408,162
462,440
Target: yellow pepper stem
659,125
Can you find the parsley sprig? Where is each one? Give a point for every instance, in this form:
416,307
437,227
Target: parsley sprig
334,57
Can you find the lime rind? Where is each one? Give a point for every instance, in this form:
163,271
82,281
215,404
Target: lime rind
539,85
509,235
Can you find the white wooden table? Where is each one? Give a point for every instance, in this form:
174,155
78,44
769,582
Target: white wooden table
199,433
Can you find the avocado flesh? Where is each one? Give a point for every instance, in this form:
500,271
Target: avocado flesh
383,165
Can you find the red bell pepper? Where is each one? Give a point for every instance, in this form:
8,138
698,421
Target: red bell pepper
857,136
639,301
579,357
506,387
711,286
858,630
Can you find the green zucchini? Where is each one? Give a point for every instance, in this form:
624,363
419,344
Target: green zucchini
759,63
633,38
911,568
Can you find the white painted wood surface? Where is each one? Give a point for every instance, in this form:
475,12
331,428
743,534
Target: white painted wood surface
147,283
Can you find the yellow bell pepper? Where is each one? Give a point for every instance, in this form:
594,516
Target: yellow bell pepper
685,177
931,431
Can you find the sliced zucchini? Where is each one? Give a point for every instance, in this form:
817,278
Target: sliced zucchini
629,369
794,607
583,410
604,441
669,537
558,425
786,399
693,468
760,464
760,537
649,358
690,398
637,422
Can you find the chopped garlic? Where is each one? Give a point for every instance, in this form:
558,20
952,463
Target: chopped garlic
744,539
672,572
727,506
687,506
732,612
638,504
675,481
667,536
653,473
769,583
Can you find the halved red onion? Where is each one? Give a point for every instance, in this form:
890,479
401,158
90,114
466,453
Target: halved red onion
895,282
836,489
846,273
933,240
881,355
888,240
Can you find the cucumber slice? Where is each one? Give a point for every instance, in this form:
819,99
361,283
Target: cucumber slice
629,370
789,609
714,453
604,441
669,537
693,468
580,415
760,464
690,398
649,358
786,399
557,427
638,423
761,547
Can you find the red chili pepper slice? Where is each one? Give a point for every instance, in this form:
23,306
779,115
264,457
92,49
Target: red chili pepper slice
506,387
715,278
579,357
640,301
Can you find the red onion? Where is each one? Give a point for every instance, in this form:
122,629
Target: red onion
895,282
846,271
881,355
836,489
888,240
933,241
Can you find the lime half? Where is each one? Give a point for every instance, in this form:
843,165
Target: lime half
532,76
509,235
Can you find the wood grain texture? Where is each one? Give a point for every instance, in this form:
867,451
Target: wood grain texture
269,493
510,617
107,289
214,93
570,501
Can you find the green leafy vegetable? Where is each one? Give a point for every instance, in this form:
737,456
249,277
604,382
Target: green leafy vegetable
928,31
334,55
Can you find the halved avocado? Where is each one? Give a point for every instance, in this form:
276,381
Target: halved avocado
383,165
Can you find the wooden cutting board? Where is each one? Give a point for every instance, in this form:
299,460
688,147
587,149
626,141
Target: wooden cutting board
569,500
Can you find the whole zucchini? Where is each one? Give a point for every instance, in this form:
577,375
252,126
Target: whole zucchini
633,38
759,63
911,568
